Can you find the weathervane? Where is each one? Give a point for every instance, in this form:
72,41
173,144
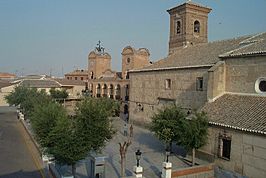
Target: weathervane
99,48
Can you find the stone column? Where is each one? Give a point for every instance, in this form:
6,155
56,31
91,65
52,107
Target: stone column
167,170
138,170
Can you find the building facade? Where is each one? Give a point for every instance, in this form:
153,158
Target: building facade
102,81
226,79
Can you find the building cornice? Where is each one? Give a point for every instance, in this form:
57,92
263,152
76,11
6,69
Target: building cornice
171,68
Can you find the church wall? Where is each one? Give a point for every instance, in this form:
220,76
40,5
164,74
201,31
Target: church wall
148,91
248,152
216,81
242,73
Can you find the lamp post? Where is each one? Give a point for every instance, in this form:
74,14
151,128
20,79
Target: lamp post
138,156
167,152
167,166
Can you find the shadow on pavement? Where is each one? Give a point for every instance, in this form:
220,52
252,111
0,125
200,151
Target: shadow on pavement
153,167
110,160
149,140
22,174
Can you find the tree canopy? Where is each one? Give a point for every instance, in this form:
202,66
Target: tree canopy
171,124
27,98
69,139
166,122
58,94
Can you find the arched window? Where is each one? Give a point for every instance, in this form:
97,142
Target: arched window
111,91
98,91
104,90
118,92
196,26
91,75
178,27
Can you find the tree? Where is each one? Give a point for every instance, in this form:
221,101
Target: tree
44,119
195,133
68,139
72,138
123,150
112,106
166,122
27,98
67,145
58,94
170,124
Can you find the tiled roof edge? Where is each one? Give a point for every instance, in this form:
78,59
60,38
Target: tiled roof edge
257,53
237,128
239,94
170,68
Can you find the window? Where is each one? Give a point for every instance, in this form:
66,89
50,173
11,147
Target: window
225,147
67,78
260,85
168,84
91,75
199,84
128,60
127,76
76,78
178,27
196,26
81,78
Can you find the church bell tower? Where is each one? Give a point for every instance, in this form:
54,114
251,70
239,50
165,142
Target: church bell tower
188,25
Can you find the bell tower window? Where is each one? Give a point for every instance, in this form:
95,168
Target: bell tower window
196,26
178,27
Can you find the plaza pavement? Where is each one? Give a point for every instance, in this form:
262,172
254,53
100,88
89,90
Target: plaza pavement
152,153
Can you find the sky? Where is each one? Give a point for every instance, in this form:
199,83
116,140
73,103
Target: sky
55,36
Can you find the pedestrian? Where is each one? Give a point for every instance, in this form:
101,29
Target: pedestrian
131,131
126,117
125,130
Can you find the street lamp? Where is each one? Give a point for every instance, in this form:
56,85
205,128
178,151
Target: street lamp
167,152
138,156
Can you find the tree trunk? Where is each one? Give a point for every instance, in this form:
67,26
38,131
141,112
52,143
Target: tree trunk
193,156
122,166
74,170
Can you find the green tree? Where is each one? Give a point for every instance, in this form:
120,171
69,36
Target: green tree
166,122
68,145
93,122
27,98
58,94
72,139
17,96
68,139
110,105
44,119
194,133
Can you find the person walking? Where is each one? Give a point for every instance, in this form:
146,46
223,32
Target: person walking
131,131
126,117
125,129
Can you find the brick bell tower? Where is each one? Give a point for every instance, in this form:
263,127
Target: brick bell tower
188,25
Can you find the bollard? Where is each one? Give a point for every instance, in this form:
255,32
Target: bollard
138,170
167,170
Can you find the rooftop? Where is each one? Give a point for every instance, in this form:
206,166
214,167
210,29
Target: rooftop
240,112
40,83
207,54
65,82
